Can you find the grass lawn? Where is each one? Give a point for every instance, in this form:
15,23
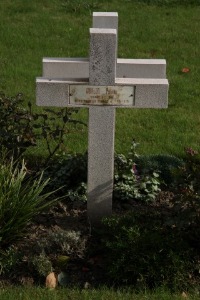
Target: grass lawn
31,30
102,294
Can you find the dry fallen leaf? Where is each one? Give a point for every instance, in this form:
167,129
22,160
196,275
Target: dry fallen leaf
185,70
51,281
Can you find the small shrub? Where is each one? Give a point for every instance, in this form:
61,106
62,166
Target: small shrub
16,131
132,184
42,264
56,249
130,187
64,242
52,126
70,172
9,260
166,164
21,127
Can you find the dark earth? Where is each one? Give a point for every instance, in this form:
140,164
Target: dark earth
83,270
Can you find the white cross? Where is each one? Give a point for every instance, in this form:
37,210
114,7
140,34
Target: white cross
102,83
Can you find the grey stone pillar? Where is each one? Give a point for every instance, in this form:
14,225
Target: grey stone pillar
102,71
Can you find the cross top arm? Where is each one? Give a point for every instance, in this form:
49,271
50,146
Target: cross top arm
136,83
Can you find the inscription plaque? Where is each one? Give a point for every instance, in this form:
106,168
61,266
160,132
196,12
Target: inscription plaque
102,95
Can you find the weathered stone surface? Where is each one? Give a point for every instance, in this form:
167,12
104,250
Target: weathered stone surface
100,162
101,126
105,20
52,92
61,68
141,68
147,93
102,66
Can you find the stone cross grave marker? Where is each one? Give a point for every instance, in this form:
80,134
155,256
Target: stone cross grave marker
102,83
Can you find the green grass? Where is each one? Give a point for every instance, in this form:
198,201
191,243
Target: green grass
31,30
76,294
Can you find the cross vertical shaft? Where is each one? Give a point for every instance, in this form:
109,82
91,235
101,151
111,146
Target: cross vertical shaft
102,71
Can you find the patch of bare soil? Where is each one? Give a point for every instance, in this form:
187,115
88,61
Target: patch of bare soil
84,271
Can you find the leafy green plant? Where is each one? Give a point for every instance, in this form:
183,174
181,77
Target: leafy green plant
132,184
56,249
166,164
130,188
79,194
42,264
9,259
70,172
21,198
66,242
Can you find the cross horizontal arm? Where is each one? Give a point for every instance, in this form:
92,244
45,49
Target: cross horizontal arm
56,68
148,93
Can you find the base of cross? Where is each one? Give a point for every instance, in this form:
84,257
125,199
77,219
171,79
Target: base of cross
102,83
